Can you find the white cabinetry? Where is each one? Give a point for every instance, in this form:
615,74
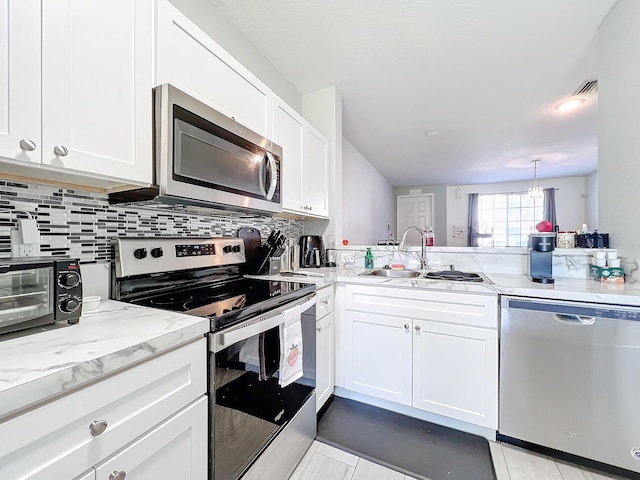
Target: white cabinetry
77,79
190,60
431,350
69,435
325,322
305,183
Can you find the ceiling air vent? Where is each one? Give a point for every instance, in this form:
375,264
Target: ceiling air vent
588,87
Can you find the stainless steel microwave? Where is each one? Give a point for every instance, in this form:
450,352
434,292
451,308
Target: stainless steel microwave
205,159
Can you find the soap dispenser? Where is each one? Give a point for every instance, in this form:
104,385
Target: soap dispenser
368,259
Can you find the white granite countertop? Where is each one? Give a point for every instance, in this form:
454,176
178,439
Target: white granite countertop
36,367
572,289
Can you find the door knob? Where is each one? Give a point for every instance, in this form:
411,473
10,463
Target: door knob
60,151
417,328
406,326
27,145
118,475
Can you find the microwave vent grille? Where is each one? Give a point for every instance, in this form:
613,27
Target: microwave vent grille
588,87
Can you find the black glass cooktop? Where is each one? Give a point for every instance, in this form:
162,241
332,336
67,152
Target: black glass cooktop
227,302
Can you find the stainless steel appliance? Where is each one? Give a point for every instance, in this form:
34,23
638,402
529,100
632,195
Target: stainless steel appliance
540,265
568,378
206,159
258,429
37,291
311,251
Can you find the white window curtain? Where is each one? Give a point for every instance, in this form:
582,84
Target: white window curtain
473,237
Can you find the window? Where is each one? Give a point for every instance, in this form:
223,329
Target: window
506,219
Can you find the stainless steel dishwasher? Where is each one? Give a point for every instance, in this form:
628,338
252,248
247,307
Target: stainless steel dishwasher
570,378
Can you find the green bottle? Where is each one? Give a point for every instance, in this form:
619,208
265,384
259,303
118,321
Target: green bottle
368,259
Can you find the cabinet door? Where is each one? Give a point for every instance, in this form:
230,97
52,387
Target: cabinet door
177,449
20,80
380,354
324,359
190,60
288,132
96,87
455,371
315,174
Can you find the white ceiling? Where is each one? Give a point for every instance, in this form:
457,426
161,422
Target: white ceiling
484,74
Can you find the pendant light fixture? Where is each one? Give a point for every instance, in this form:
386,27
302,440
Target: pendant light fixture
535,191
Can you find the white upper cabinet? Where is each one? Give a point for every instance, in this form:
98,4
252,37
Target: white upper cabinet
189,59
20,80
305,181
315,177
96,86
75,86
288,132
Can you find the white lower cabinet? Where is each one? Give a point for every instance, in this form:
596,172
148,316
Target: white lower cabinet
381,356
431,350
73,433
324,359
175,449
455,371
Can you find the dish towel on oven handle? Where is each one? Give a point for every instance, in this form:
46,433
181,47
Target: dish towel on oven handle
290,347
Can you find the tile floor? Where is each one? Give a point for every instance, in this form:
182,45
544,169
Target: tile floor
322,462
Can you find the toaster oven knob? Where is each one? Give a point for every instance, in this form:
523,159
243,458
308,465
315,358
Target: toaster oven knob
140,253
236,248
69,305
227,249
68,280
157,252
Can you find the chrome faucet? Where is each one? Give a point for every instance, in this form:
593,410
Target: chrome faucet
403,245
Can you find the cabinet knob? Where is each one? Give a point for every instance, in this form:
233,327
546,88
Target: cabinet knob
121,475
98,427
27,145
417,328
406,326
325,301
60,151
319,329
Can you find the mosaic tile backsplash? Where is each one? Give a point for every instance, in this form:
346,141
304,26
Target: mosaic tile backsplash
80,224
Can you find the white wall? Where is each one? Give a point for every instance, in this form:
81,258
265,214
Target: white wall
619,128
439,209
209,19
368,201
591,205
570,205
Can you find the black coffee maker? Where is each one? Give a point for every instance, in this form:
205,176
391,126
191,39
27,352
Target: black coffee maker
541,247
311,251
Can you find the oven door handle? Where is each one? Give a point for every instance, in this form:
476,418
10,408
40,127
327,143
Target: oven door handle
242,332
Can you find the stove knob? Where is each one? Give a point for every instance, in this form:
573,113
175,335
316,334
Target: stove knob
157,252
69,305
140,253
68,280
236,248
227,249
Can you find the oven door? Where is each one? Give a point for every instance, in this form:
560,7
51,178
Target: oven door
248,406
206,156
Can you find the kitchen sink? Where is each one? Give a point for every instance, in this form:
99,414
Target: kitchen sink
383,272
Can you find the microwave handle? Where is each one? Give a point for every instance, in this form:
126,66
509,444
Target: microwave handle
274,175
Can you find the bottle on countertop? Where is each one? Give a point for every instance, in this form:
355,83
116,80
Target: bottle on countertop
368,259
429,237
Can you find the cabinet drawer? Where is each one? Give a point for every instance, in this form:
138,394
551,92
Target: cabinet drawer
55,440
439,306
325,302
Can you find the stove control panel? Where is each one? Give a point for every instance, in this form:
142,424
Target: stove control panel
139,255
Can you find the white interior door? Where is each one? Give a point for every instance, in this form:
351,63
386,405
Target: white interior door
414,210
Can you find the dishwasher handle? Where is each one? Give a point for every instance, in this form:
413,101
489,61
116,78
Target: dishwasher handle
574,319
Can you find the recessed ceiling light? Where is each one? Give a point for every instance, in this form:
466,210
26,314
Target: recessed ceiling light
430,133
570,104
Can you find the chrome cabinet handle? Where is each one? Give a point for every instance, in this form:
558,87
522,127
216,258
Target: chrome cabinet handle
417,328
60,151
97,427
406,326
319,329
325,301
577,319
121,475
27,145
